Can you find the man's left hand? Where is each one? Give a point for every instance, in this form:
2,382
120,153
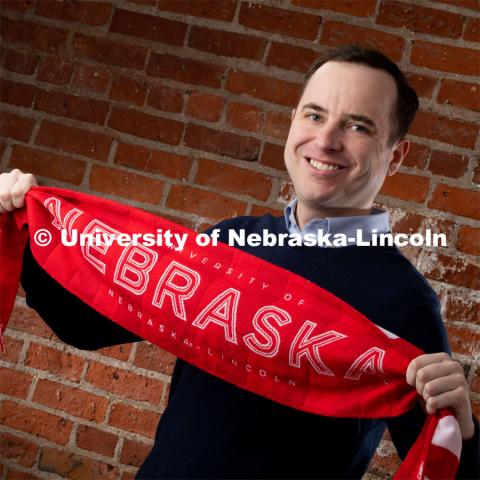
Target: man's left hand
442,384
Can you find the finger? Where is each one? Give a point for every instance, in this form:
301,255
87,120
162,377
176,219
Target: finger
436,371
421,362
441,385
7,181
21,187
449,399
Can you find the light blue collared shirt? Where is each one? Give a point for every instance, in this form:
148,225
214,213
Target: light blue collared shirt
377,220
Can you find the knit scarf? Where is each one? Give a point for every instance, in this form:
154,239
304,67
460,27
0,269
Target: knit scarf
234,315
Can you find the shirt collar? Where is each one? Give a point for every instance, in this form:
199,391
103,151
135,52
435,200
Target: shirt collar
377,220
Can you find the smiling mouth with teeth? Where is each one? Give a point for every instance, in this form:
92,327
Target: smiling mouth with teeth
323,166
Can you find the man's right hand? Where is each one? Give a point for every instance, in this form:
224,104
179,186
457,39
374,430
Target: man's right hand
13,187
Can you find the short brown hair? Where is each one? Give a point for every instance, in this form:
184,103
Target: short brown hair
407,101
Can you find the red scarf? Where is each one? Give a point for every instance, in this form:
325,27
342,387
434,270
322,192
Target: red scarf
229,313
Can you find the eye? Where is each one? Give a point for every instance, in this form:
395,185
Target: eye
359,128
315,117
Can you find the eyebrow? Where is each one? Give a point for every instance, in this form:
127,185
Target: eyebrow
352,116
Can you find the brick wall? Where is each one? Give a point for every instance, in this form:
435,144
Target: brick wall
182,108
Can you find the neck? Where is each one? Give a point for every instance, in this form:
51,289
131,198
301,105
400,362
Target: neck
304,214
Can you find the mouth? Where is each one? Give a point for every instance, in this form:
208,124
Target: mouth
324,166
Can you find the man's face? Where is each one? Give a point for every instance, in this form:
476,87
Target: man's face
337,152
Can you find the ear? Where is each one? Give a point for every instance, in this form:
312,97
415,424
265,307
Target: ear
293,113
399,152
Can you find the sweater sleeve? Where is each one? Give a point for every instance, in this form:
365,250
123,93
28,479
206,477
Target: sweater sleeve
73,321
425,329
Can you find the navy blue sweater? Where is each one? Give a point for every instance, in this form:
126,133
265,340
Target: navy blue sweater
212,429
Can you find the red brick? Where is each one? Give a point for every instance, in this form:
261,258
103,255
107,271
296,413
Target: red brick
422,84
463,308
439,127
222,143
74,401
36,422
233,179
185,70
260,210
16,126
16,93
75,467
145,125
417,156
55,70
72,106
472,30
55,361
223,10
13,347
206,106
89,12
96,440
229,44
465,203
74,140
155,161
336,33
201,202
469,240
276,20
27,320
120,352
47,164
385,461
445,58
452,270
265,88
92,78
151,357
448,164
149,27
472,4
20,450
128,90
476,172
14,383
126,184
406,187
128,476
18,5
286,192
134,419
460,94
420,19
245,117
291,57
475,385
272,156
440,225
14,474
125,383
464,341
111,52
134,453
363,8
20,62
34,35
165,98
277,125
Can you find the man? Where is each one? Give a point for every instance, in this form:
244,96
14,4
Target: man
347,134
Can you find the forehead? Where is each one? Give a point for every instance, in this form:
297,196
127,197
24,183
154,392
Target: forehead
351,88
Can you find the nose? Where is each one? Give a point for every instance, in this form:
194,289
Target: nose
329,138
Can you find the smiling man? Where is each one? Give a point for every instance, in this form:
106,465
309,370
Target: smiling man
347,134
